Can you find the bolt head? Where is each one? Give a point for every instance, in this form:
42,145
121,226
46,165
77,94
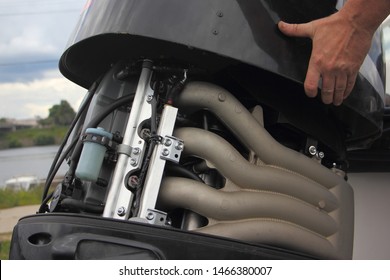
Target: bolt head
121,211
133,162
168,142
312,150
136,151
149,98
150,216
179,146
165,152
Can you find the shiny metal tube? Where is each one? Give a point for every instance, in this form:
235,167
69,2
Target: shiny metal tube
289,199
244,205
233,166
239,120
277,233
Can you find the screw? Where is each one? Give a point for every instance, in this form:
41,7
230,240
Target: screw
312,150
136,151
121,211
220,14
133,162
149,98
179,146
168,142
165,152
150,216
321,155
215,32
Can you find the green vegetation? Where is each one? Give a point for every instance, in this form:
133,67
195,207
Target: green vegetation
28,137
51,131
10,198
61,114
5,244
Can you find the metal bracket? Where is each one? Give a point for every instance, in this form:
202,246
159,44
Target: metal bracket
172,148
124,149
156,217
157,164
133,153
120,198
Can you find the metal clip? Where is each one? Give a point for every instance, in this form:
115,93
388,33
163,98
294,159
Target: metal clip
133,153
156,217
172,148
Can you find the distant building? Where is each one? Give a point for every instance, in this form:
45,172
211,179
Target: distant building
14,124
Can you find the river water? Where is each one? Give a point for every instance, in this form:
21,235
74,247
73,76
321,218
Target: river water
35,161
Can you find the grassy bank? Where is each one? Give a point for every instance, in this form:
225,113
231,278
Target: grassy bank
32,137
10,198
5,242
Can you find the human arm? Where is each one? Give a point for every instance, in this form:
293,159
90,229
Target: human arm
341,41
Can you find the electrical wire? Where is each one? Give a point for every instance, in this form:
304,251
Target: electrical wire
77,145
56,163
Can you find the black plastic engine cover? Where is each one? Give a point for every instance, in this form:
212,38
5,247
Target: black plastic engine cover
66,236
239,36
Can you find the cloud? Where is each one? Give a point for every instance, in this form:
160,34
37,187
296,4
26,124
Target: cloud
32,99
30,43
33,36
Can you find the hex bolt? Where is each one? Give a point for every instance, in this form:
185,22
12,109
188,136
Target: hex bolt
168,142
179,146
165,152
136,151
121,211
149,98
133,162
150,216
312,150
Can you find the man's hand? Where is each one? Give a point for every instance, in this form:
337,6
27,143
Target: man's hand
339,49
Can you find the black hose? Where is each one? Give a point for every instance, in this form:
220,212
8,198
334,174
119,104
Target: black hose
183,172
79,205
78,144
53,167
95,122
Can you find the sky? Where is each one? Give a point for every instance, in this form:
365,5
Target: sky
33,35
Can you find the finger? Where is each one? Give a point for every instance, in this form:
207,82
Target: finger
296,30
312,80
350,84
339,90
328,88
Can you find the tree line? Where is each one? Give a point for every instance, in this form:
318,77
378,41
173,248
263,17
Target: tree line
60,114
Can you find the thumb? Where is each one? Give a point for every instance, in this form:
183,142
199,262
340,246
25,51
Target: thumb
296,30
